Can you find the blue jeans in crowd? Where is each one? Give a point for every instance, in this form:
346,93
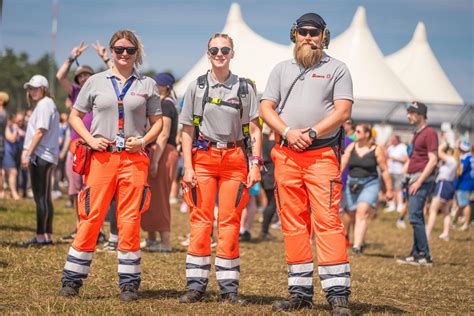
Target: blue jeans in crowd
417,220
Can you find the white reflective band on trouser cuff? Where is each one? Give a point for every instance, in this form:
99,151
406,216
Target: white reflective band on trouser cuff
74,267
299,268
337,269
130,269
197,273
227,263
129,255
346,282
227,275
80,254
201,261
300,281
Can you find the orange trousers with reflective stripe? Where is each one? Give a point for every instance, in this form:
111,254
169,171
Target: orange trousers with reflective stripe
124,175
222,172
308,192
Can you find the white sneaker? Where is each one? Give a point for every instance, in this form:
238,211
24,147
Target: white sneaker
185,242
146,243
401,224
400,208
184,207
390,208
444,237
464,227
174,201
276,225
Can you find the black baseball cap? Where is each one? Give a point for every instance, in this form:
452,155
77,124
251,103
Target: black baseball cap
418,107
311,19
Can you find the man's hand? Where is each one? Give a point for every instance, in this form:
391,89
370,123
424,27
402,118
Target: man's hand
253,176
77,51
298,139
133,144
99,143
414,187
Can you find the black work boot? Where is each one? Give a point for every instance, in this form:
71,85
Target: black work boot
232,298
340,306
191,296
292,303
129,293
69,289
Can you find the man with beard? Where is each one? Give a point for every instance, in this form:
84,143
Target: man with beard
306,101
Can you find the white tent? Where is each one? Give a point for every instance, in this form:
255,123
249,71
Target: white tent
254,57
372,78
417,67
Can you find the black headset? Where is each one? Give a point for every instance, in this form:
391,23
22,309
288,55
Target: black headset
325,39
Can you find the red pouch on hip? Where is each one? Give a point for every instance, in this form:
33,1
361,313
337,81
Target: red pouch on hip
82,158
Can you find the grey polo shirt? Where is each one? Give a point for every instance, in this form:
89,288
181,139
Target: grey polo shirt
313,96
98,95
220,123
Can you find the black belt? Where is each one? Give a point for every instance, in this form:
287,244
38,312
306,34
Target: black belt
114,149
224,145
319,143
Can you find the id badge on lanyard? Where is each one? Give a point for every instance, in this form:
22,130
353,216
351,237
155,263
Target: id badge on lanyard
120,137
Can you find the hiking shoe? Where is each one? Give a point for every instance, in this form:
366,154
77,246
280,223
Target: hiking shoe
68,238
69,289
401,224
129,293
407,260
266,237
357,250
191,296
340,307
245,236
109,246
232,298
424,261
292,303
35,242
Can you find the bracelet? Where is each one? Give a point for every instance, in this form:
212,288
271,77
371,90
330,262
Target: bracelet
285,132
257,160
142,140
71,59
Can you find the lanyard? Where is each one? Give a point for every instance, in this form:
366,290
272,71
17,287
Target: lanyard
120,96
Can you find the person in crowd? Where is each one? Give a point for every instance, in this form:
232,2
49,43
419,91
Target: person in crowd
423,158
396,158
72,88
122,102
59,172
163,168
248,214
465,182
348,218
40,155
306,101
268,181
4,98
220,112
15,137
363,157
444,191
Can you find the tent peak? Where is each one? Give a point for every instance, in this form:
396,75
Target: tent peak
360,18
235,14
420,33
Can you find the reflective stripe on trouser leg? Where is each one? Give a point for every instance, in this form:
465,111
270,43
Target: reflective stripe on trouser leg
335,280
300,279
129,268
228,274
77,266
197,272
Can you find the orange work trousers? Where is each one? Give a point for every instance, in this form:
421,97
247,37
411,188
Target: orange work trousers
308,192
125,175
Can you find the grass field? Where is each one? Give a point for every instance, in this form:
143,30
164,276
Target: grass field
30,277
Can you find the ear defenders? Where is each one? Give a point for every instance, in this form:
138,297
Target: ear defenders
325,38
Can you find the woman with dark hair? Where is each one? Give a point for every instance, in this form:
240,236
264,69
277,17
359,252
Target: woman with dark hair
363,185
122,102
40,155
162,172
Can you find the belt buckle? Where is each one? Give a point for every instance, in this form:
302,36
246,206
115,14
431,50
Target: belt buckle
221,145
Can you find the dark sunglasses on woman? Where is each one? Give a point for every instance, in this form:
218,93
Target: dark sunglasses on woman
215,50
311,32
120,49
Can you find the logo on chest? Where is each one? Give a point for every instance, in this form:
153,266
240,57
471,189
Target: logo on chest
143,95
327,76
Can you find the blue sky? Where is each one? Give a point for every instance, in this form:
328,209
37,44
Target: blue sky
175,32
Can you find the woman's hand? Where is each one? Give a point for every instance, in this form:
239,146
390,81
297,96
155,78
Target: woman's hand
25,161
190,177
99,143
77,51
253,176
133,144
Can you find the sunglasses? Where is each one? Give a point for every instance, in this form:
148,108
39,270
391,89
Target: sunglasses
311,32
120,49
215,50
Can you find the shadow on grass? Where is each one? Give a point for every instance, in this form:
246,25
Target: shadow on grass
3,209
157,294
17,228
380,255
3,264
362,308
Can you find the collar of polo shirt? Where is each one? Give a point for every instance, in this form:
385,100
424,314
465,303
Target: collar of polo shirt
232,80
136,74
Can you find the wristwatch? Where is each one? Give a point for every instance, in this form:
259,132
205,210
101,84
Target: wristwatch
313,134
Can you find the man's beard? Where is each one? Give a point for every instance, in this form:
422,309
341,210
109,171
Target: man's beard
305,55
